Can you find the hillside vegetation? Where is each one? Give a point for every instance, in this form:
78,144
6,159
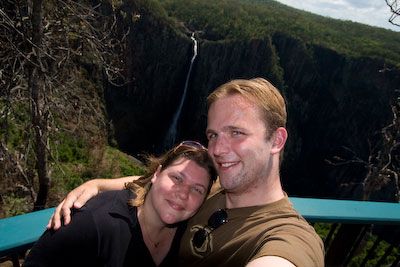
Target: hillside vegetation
246,19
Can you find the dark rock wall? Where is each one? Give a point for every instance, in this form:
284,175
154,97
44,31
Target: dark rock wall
336,106
157,61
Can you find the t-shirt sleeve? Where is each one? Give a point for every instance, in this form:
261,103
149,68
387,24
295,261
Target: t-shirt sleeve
71,245
299,246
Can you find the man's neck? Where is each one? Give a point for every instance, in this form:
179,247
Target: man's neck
256,195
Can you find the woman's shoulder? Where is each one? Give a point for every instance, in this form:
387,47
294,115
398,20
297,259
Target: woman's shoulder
109,205
124,194
109,198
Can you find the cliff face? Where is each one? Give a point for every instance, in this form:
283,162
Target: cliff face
157,60
336,107
335,103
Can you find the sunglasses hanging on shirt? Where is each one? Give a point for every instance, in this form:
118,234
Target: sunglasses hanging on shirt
216,219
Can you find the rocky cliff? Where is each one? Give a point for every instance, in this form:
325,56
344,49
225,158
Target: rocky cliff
336,103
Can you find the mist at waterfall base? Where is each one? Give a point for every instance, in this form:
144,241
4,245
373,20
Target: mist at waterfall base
171,135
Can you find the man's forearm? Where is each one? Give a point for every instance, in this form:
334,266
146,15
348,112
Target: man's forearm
113,184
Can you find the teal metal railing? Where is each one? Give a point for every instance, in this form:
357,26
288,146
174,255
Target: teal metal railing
355,230
350,225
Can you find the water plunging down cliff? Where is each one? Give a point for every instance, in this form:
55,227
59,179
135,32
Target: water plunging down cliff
170,137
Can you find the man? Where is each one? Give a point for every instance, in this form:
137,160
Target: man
251,221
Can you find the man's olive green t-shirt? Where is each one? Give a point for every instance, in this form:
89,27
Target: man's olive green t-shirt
275,229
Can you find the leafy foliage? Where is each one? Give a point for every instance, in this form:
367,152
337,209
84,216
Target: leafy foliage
72,149
370,250
246,19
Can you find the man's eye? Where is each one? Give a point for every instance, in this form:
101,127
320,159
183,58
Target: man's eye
237,133
211,136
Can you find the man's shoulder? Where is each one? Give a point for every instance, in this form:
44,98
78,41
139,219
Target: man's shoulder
291,237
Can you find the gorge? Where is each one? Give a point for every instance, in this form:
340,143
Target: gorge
337,103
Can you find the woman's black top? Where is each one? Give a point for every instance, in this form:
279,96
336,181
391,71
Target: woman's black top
105,232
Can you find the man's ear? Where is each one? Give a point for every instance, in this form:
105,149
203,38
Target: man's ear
279,139
157,172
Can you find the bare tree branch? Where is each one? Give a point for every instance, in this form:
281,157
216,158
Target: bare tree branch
383,163
395,9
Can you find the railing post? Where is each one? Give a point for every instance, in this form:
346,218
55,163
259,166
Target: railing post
371,251
343,242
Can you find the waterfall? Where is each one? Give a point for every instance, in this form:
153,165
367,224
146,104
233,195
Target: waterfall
170,138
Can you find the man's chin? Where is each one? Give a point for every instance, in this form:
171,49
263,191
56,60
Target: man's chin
226,184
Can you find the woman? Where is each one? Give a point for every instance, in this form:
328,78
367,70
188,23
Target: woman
139,226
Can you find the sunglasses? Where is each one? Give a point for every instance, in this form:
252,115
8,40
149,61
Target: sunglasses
189,144
216,219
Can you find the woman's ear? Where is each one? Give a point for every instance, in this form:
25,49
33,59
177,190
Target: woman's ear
279,139
156,173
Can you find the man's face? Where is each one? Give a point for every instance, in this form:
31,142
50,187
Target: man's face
237,143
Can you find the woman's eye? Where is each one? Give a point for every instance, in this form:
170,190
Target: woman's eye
198,190
176,178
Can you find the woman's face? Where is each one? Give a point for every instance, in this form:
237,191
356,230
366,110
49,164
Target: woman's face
179,190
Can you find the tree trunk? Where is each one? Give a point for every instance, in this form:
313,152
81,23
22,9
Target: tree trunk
38,105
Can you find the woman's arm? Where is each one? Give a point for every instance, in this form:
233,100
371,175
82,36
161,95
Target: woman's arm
80,195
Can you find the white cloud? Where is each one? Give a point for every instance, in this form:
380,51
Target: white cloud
371,12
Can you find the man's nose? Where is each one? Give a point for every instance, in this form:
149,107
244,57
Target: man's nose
220,145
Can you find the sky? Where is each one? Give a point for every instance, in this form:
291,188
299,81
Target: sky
371,12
